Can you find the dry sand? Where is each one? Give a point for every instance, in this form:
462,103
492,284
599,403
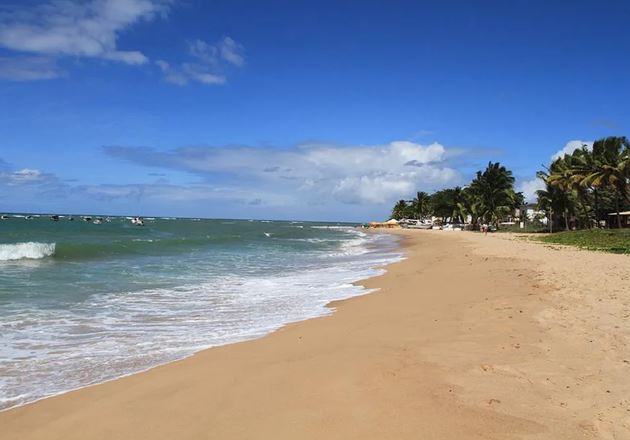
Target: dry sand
471,337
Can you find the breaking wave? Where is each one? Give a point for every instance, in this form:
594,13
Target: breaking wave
30,250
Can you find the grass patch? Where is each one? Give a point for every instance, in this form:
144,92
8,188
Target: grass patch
608,240
529,228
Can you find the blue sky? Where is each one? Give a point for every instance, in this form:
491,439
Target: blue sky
294,109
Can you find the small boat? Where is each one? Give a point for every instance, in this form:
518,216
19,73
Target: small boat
416,224
137,221
421,226
4,217
28,217
70,218
98,221
87,219
54,218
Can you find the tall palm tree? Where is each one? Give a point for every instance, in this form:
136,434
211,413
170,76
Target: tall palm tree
459,209
581,163
448,204
470,206
555,197
400,210
611,169
494,190
421,205
562,176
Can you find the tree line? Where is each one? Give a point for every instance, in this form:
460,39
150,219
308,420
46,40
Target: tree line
489,198
580,190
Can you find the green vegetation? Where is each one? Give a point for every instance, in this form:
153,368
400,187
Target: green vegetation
608,240
583,191
584,187
490,198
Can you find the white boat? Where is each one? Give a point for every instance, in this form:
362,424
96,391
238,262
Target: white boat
416,224
453,227
137,221
421,226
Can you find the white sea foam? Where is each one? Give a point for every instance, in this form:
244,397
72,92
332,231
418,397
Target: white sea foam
53,350
30,250
332,227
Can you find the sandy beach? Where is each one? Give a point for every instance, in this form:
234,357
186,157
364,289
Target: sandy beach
470,337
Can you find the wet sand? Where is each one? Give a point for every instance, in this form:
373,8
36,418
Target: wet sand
470,337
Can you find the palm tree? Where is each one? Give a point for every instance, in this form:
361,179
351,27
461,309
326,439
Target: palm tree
561,176
400,210
458,210
421,205
470,206
449,204
581,163
555,198
612,169
494,191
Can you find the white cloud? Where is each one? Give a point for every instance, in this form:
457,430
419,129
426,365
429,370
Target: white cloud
308,181
62,28
231,51
21,185
208,62
74,28
570,147
529,188
312,173
45,33
25,176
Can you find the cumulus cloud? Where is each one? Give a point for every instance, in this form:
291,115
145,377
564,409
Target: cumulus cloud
43,34
310,180
89,29
570,147
64,28
207,64
312,172
529,188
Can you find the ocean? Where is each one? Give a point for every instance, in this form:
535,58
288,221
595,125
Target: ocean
83,303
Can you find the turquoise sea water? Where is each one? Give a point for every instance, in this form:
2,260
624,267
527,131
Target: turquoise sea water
82,303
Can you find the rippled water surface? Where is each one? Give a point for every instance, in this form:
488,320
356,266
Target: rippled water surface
81,303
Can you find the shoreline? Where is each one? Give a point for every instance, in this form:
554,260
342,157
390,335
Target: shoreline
461,340
396,250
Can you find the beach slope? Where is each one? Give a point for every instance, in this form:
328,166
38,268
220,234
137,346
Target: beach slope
470,337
